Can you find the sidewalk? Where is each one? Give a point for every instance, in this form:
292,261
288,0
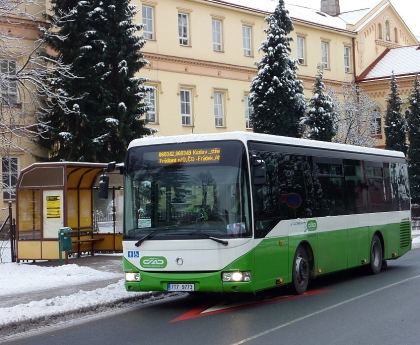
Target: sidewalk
105,263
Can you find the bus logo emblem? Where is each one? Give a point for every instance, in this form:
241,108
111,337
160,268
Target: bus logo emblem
153,262
311,225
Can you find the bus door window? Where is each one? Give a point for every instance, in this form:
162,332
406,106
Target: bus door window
287,193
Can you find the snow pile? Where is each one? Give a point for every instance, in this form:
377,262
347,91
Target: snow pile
17,278
23,279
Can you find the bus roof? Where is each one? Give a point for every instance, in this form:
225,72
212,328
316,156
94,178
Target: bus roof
264,138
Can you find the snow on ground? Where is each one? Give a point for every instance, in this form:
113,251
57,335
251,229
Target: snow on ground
23,279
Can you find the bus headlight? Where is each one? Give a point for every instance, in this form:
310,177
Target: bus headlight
236,276
132,277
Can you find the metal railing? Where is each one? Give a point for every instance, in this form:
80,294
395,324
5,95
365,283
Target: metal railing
7,235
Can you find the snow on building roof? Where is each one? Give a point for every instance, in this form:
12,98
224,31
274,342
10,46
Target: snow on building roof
299,13
353,17
401,61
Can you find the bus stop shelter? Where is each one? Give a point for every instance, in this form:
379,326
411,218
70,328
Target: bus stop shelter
53,196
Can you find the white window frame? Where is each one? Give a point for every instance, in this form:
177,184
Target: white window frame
301,50
185,97
376,128
10,167
219,108
248,110
217,26
325,55
347,59
151,99
8,87
183,29
247,39
147,14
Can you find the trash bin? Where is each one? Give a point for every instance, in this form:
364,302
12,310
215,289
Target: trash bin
64,242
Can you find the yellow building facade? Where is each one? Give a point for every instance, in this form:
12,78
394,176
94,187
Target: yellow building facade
202,56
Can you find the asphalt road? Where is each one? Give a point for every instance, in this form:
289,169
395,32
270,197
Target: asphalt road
347,308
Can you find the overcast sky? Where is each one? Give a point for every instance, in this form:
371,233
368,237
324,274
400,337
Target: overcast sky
408,9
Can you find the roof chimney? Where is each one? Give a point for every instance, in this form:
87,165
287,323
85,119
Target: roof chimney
331,7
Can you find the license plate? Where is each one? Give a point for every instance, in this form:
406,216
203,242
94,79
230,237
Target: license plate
180,287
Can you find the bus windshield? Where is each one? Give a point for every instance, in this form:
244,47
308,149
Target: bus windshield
187,191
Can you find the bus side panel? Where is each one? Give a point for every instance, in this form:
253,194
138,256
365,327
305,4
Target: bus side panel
391,238
332,251
357,246
271,262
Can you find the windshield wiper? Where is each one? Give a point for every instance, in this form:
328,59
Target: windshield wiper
215,239
151,234
144,238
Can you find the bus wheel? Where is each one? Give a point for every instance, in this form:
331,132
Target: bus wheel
300,271
375,255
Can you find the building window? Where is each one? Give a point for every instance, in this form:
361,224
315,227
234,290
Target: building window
217,34
10,173
183,29
248,112
380,31
347,59
387,31
325,59
8,86
219,113
376,125
301,50
247,41
148,23
150,99
396,35
186,106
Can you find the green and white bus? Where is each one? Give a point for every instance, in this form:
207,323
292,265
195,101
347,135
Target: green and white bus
243,212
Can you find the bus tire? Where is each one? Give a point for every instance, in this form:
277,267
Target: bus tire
375,255
300,271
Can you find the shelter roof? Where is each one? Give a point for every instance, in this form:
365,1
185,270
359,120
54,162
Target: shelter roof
60,174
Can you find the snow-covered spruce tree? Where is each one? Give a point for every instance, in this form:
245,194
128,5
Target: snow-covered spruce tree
357,113
395,123
103,46
276,96
413,154
320,119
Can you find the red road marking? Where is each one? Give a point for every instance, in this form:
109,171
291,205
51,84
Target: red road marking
216,309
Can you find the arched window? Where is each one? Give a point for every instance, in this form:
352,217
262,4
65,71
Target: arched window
387,31
380,31
396,35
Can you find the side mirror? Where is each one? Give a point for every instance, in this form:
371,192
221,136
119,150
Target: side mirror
259,172
103,187
111,167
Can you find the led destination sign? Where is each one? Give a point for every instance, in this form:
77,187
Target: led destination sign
211,155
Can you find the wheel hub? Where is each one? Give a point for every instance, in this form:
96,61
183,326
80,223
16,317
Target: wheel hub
302,269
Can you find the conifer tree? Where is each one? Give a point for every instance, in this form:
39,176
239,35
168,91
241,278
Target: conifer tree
395,124
321,115
413,155
104,49
276,96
